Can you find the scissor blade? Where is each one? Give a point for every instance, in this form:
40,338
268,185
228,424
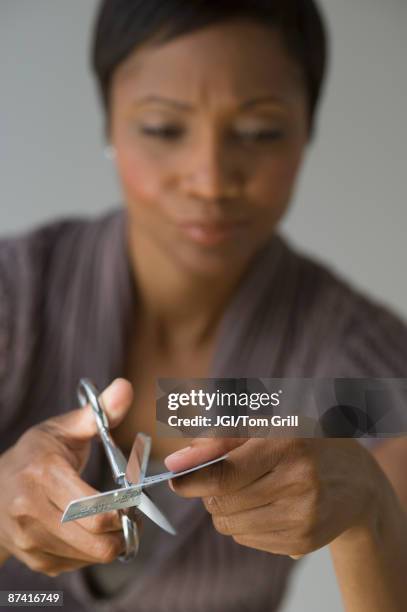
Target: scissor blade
138,460
148,507
145,443
118,499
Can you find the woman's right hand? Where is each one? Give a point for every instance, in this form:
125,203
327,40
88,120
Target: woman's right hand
39,476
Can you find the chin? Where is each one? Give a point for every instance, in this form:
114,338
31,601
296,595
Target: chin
212,263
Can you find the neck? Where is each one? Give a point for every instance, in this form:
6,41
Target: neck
178,307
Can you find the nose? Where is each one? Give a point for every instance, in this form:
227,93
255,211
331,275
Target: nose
210,173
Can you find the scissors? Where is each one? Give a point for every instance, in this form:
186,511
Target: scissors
130,476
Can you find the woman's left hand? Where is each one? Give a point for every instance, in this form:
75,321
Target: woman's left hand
284,496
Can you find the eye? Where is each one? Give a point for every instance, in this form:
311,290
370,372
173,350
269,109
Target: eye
258,135
165,132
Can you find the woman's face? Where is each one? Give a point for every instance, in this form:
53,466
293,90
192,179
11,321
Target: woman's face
209,131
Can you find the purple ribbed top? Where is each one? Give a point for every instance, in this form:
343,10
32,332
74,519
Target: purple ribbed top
66,298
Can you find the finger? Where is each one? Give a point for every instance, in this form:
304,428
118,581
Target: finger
200,451
85,544
81,425
50,564
243,465
43,530
276,542
136,516
59,541
53,565
268,518
73,487
277,484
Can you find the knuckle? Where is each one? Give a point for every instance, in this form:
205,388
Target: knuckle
223,524
312,504
295,453
36,470
97,524
52,572
310,471
220,504
53,463
223,479
20,506
24,542
307,532
304,537
214,478
301,446
45,429
28,437
213,504
241,539
303,545
41,565
278,451
306,474
108,549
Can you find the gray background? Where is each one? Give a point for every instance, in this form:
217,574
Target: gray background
350,209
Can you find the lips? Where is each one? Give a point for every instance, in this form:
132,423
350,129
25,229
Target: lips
213,233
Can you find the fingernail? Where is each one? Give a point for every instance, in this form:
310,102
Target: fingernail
114,384
106,393
179,453
108,397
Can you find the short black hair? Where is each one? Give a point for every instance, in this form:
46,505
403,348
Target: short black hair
123,25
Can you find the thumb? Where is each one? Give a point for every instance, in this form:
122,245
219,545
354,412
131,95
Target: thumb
81,425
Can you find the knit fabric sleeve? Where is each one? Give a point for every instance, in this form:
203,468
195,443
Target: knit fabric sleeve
6,319
344,333
375,341
375,346
24,266
20,290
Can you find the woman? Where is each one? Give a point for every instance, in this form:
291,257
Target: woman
209,109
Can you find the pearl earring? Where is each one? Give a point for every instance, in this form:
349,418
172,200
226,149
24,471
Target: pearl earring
110,152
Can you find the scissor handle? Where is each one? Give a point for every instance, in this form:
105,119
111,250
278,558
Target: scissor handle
131,538
88,393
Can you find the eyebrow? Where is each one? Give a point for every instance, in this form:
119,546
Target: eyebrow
262,100
189,107
164,100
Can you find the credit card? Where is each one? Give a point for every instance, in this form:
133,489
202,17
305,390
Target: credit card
124,497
